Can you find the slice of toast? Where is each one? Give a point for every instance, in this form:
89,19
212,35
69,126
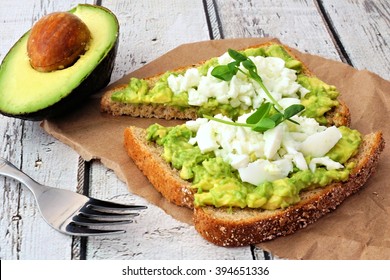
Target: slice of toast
240,227
338,115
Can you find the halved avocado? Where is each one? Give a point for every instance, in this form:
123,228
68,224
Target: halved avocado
29,94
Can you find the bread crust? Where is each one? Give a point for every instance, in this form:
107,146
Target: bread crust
241,227
338,116
252,226
148,158
159,111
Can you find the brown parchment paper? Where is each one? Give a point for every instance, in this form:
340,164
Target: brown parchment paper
357,229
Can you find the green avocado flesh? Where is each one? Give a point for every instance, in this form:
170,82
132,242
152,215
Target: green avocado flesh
218,184
321,98
30,94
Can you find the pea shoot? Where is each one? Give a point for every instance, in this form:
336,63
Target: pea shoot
269,114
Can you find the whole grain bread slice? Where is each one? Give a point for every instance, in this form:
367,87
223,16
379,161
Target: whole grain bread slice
224,227
338,116
159,111
240,227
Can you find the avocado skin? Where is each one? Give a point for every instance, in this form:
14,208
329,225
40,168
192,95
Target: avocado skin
94,81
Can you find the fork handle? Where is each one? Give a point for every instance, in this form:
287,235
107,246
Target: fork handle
10,170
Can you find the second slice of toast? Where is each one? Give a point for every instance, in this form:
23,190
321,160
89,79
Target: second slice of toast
239,227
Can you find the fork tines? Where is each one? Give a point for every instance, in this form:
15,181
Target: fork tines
107,206
88,221
102,213
93,213
78,230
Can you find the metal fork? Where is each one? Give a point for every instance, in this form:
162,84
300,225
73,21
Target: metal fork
72,213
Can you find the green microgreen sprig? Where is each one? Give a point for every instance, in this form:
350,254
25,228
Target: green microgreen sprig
263,119
268,115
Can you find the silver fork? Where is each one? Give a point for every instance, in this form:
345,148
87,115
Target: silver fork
72,213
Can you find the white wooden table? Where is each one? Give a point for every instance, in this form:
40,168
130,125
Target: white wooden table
356,32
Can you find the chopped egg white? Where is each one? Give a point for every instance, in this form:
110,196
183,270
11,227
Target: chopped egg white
205,138
273,140
238,161
184,82
288,101
240,91
260,157
318,144
261,171
326,161
299,161
194,125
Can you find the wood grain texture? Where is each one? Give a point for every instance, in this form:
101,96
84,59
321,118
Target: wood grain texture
10,218
150,28
363,29
297,23
353,31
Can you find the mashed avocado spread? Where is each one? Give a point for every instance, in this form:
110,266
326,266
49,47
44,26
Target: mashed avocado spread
218,184
319,99
232,166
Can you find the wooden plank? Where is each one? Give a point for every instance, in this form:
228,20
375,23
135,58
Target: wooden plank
144,38
363,29
297,23
154,235
24,234
10,132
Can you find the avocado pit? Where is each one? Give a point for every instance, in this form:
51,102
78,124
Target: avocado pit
29,94
57,41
